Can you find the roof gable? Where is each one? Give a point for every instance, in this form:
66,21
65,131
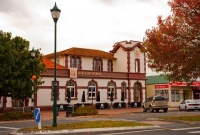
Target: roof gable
50,64
132,45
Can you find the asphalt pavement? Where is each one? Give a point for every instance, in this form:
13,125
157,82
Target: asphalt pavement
48,115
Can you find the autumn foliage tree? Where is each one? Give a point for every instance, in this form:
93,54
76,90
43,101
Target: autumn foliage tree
16,67
173,47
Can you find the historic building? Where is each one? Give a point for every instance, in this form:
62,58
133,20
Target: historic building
90,71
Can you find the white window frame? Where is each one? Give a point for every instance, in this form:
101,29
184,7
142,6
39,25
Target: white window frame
71,88
175,96
110,88
90,92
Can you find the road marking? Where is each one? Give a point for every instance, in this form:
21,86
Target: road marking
9,127
177,129
147,130
194,132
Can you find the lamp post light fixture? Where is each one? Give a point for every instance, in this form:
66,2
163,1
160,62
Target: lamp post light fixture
55,12
33,77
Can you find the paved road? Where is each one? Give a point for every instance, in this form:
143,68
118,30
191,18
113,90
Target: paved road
159,131
147,117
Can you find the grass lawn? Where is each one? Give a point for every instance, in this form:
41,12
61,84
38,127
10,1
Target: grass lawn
88,124
193,118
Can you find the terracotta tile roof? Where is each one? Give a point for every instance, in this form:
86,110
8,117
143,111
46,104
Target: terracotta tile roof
50,64
83,52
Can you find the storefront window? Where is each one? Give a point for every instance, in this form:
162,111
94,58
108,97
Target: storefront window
162,93
175,95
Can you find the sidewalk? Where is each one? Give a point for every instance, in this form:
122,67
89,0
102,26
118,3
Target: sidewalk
48,115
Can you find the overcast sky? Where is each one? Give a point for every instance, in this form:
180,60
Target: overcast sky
94,24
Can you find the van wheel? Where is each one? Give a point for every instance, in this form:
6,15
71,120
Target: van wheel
151,109
165,109
143,109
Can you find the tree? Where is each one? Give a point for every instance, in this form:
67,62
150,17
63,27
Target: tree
16,67
173,47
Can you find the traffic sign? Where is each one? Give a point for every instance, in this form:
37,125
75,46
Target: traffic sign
37,115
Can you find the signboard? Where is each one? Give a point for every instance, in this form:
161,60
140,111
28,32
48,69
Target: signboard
119,105
101,105
37,115
62,107
73,72
135,104
161,86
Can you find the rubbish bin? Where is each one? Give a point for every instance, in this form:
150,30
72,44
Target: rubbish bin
69,111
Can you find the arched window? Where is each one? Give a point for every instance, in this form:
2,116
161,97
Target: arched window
111,87
137,89
137,65
92,90
97,64
110,65
75,62
123,89
71,86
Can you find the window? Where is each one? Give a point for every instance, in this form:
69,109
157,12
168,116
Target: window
162,93
110,65
137,65
97,65
123,89
111,87
17,103
92,90
75,62
175,95
71,88
137,89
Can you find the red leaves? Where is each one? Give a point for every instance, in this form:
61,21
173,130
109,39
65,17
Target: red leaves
171,46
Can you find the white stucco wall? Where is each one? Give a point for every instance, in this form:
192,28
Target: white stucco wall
44,95
132,61
9,102
87,63
120,65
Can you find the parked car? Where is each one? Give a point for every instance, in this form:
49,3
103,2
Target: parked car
189,104
155,103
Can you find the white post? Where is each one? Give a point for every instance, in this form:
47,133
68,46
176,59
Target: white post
39,124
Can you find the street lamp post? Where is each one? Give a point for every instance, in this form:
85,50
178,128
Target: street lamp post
32,96
55,12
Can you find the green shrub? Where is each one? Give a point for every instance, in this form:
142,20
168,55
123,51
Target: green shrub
16,115
85,111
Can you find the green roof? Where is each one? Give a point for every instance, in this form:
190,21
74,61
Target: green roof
156,80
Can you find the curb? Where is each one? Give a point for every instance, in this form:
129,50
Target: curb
89,130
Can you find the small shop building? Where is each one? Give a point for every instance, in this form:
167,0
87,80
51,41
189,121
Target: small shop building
176,92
